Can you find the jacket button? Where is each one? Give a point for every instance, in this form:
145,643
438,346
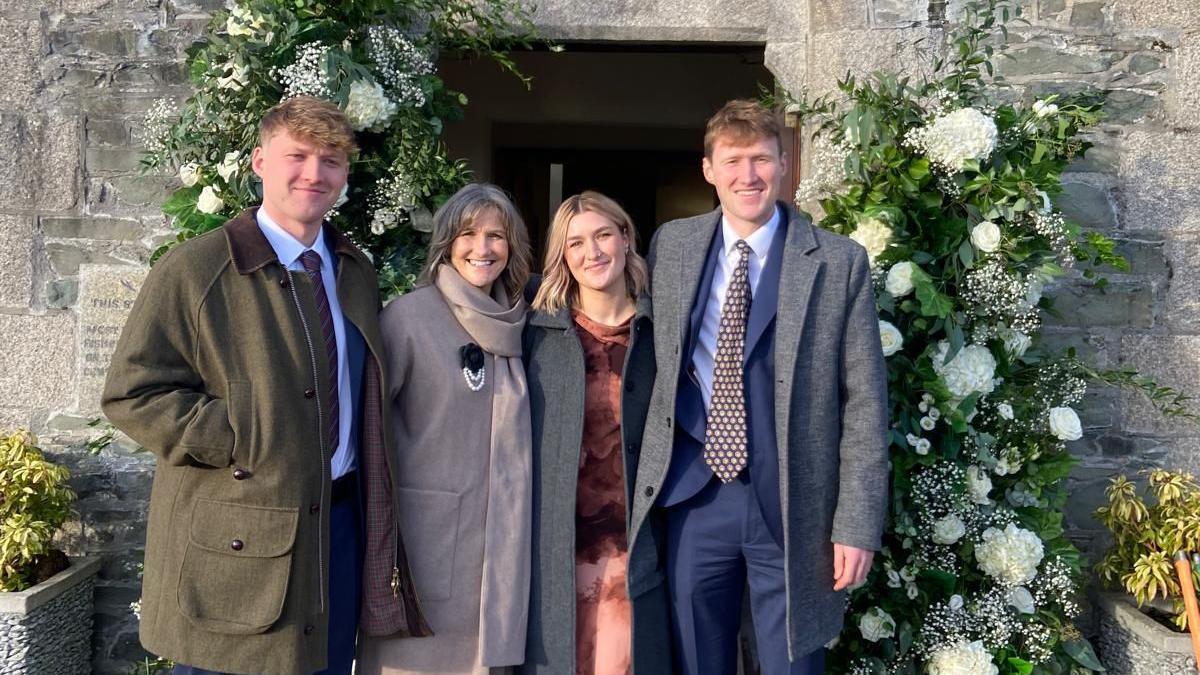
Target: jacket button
649,491
314,508
240,474
236,545
309,393
308,629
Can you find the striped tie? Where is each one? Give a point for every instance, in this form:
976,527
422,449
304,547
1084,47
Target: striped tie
312,264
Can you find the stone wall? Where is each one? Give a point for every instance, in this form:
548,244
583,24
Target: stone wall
78,220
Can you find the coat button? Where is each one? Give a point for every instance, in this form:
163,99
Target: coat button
236,545
308,629
283,280
240,474
649,491
668,422
314,508
309,393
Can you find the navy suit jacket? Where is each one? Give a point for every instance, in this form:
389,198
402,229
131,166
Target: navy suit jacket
688,473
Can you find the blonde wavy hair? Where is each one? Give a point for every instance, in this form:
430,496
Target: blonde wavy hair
459,212
559,288
312,119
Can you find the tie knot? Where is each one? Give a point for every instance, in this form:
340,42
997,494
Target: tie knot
311,261
742,246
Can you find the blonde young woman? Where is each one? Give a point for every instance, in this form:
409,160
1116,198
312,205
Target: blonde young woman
590,363
460,430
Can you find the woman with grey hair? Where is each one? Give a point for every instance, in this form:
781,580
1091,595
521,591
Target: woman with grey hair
460,427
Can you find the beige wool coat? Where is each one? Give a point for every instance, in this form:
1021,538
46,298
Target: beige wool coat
440,434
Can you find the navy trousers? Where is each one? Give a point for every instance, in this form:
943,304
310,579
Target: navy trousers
718,544
345,570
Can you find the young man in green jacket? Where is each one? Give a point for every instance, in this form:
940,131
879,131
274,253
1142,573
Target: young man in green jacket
250,367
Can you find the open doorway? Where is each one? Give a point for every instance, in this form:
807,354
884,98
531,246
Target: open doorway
624,119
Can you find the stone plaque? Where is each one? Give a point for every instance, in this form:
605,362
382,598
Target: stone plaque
106,294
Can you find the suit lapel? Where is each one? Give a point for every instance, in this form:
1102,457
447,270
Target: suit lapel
691,270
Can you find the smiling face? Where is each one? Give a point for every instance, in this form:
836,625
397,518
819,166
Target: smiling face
747,178
301,180
480,251
595,253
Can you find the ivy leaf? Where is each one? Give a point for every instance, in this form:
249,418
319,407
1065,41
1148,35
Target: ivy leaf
942,580
1020,666
1081,650
933,303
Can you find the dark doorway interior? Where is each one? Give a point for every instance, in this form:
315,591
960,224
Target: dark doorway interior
624,119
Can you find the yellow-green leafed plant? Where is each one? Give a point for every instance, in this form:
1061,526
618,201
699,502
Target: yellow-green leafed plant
34,503
1146,537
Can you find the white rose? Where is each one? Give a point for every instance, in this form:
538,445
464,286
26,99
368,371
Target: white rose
956,602
209,202
971,370
948,530
189,174
1064,424
928,423
962,658
229,166
1044,109
876,624
1017,343
912,591
368,107
1022,599
979,485
874,235
1010,556
890,338
1033,294
893,579
237,77
899,279
986,236
1005,411
923,446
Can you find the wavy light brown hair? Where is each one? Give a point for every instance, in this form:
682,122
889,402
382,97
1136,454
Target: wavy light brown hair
312,119
559,288
741,122
459,212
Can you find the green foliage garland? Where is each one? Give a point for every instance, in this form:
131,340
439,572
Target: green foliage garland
375,59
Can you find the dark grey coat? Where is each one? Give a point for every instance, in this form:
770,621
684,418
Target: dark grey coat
831,412
554,366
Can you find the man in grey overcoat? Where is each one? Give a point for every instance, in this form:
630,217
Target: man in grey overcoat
764,458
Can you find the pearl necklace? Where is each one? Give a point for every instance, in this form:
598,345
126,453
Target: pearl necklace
476,379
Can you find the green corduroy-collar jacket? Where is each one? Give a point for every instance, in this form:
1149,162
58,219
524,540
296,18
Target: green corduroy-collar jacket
219,372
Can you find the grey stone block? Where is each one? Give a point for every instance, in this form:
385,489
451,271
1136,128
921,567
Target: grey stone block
1126,106
1048,9
1092,348
898,13
660,20
1183,96
1157,189
143,190
1045,60
1089,205
1087,15
45,161
21,47
1140,64
106,132
16,261
1121,304
1172,361
788,62
1168,15
112,160
1183,292
1132,643
37,364
66,258
82,227
62,293
862,52
839,15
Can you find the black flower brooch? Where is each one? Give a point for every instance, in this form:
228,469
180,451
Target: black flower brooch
471,356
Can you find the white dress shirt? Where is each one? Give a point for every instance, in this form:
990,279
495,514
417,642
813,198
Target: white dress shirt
705,355
288,249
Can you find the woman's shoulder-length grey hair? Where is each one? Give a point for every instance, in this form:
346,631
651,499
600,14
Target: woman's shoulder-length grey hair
459,212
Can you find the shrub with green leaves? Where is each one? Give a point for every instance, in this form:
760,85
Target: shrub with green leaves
34,503
376,60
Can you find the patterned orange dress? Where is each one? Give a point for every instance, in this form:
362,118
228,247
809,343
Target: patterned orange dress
602,615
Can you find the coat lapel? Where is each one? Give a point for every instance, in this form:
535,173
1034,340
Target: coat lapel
764,304
691,269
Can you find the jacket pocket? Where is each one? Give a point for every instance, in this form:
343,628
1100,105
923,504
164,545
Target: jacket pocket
235,570
240,405
429,522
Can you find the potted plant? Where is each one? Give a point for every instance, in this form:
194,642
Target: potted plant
1140,628
45,599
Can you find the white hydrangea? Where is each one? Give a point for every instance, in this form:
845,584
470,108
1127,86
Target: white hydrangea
952,139
899,279
890,338
876,624
963,658
368,107
874,235
948,530
979,485
971,370
1010,556
1064,424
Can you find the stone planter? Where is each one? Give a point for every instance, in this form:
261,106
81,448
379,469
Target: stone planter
1132,643
47,629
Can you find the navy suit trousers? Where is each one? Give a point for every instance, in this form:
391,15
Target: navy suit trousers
718,544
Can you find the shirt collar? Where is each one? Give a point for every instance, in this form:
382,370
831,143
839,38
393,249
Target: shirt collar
288,248
759,241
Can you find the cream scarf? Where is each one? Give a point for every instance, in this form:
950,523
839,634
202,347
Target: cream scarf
504,597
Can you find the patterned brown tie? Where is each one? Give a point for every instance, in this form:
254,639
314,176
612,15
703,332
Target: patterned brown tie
312,264
725,435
